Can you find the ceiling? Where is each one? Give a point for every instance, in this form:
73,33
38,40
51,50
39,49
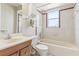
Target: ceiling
14,4
37,5
34,4
54,5
42,6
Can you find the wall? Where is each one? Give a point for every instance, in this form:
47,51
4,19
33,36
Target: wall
66,32
77,24
28,30
38,20
8,17
0,16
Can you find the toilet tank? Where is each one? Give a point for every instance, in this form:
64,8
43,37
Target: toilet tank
35,40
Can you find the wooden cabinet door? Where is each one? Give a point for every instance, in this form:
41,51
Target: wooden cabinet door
23,52
26,51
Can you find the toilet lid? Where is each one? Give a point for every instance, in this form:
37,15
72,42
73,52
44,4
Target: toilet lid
41,46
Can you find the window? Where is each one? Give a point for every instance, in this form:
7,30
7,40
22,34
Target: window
53,19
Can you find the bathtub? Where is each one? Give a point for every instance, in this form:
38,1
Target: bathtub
58,48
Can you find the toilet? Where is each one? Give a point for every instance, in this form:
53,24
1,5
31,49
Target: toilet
41,48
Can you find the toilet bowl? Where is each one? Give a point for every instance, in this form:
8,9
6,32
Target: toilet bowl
41,48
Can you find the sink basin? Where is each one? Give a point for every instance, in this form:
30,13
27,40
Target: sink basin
16,39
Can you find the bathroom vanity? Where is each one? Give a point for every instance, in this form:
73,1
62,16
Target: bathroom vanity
23,49
19,47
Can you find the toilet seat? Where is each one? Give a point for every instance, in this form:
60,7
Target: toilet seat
42,47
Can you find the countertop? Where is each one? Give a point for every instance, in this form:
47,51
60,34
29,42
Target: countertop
6,43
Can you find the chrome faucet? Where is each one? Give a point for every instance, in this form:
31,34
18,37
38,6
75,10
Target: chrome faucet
8,36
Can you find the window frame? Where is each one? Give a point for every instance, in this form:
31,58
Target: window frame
53,18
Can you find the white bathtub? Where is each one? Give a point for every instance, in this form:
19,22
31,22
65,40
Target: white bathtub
58,48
